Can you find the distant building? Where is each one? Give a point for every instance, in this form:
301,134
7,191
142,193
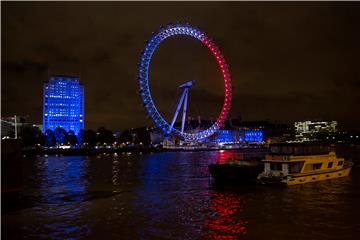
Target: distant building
63,104
308,130
156,136
238,135
8,129
264,131
225,136
234,131
253,135
12,126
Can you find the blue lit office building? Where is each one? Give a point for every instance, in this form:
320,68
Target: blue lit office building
253,135
63,104
238,135
226,136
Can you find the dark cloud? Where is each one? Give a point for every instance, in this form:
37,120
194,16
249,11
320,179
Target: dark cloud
23,66
100,58
289,60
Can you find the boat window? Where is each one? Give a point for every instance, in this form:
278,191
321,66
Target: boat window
275,166
296,167
317,166
340,163
330,164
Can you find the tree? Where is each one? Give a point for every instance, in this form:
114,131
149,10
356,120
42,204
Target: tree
125,137
142,135
105,136
72,138
61,136
30,136
80,137
49,138
89,137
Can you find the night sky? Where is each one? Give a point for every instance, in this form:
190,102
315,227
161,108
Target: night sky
289,61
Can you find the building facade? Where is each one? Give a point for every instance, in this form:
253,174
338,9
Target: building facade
63,104
252,135
307,130
237,135
10,126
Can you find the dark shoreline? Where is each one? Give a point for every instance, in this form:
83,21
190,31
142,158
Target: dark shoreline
340,148
93,151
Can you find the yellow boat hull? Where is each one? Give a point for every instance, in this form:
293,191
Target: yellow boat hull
294,180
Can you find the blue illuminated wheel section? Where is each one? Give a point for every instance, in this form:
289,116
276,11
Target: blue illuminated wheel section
157,38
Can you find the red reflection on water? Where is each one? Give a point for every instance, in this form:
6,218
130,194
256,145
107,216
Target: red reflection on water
225,219
224,155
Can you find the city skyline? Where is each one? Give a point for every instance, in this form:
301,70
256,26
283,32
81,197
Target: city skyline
289,61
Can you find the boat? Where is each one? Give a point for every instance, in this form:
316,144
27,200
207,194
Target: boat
241,167
298,169
235,171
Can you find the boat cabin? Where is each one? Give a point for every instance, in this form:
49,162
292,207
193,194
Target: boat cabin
283,165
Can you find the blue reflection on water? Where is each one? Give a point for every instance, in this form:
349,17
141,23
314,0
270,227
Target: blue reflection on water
62,193
171,196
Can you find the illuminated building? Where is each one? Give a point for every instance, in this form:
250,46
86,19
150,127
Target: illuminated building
238,135
63,104
306,130
226,136
254,135
231,133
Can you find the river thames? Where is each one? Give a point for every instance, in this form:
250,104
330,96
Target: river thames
170,195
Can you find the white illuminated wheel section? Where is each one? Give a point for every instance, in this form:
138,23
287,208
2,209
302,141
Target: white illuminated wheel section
157,38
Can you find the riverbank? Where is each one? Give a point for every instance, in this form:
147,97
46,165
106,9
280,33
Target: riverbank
348,151
83,151
93,151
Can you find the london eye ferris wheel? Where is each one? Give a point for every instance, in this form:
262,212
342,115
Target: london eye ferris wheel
146,55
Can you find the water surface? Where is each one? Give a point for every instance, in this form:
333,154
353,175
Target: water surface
171,196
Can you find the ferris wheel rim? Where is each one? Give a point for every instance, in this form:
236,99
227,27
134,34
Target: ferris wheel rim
146,55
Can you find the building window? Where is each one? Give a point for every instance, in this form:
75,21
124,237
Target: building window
295,167
330,164
340,163
316,166
276,166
